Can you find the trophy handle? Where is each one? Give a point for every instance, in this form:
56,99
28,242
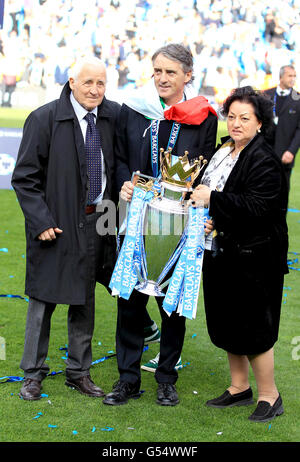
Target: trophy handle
136,175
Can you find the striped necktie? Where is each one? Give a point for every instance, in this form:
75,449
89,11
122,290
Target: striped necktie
93,158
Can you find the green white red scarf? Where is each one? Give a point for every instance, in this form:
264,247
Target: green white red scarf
193,111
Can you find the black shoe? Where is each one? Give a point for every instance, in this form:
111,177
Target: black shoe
167,394
265,412
122,392
228,400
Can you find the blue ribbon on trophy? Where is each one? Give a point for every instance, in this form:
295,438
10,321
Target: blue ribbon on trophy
183,290
131,259
145,261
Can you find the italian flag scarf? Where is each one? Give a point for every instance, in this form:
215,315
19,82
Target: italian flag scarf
193,111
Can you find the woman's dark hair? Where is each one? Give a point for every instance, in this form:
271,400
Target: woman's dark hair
263,106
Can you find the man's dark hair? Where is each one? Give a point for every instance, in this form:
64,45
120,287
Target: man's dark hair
177,52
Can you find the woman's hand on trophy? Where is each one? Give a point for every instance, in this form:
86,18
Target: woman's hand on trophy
200,196
127,191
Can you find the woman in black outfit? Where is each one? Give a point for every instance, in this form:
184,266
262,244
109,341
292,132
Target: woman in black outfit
246,254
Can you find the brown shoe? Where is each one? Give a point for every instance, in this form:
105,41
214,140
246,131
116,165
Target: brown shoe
86,386
31,389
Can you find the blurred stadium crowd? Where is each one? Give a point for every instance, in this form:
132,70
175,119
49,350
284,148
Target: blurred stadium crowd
232,41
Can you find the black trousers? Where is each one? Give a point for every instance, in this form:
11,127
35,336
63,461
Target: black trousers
288,172
80,322
130,339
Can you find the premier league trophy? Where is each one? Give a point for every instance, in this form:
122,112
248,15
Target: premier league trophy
163,246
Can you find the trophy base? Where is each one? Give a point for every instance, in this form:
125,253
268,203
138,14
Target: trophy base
150,288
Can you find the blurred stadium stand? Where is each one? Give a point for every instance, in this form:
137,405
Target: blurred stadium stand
233,42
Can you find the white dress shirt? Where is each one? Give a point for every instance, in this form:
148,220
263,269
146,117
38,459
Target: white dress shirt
283,92
81,113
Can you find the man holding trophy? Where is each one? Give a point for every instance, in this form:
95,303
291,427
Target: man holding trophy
164,116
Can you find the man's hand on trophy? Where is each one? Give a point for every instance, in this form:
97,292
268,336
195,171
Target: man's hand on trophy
208,226
200,196
127,188
127,191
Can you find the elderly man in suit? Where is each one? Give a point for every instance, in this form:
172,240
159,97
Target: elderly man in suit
144,124
64,170
286,138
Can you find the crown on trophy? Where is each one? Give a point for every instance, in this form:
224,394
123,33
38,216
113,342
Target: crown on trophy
182,173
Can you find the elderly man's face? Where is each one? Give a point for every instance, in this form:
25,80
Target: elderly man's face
89,86
169,79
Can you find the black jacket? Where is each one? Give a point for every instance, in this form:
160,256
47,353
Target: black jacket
250,213
133,147
286,134
50,180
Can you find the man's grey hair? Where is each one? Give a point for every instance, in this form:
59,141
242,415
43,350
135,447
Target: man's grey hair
283,68
177,52
81,62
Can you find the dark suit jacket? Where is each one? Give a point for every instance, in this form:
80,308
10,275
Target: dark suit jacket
133,144
51,183
286,134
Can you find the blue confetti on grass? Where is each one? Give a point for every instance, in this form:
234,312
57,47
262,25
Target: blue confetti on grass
14,296
14,378
292,261
55,373
11,378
